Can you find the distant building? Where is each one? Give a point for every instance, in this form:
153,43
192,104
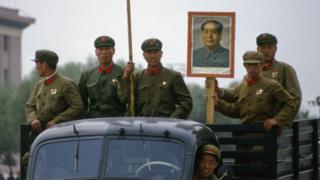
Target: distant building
11,26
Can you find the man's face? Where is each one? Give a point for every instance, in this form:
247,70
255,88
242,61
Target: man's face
268,51
207,165
211,36
41,68
153,57
105,55
253,70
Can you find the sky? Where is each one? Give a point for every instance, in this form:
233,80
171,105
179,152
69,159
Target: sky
69,27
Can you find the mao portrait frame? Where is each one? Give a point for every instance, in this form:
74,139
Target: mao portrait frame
195,20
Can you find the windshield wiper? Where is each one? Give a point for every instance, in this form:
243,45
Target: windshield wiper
76,149
145,148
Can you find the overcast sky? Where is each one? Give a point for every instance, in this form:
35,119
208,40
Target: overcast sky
69,27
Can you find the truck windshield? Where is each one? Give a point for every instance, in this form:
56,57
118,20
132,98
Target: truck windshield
68,159
144,158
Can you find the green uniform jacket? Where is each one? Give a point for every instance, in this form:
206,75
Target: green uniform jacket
287,77
99,93
59,101
161,95
256,103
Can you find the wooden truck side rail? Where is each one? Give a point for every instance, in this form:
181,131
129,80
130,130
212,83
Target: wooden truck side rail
293,155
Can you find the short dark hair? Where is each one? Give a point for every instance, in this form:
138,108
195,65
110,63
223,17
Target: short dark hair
219,25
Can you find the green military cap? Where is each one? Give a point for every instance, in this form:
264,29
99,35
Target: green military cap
266,38
211,150
104,41
151,44
48,56
252,57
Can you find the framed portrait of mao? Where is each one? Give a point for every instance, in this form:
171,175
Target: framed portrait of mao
211,37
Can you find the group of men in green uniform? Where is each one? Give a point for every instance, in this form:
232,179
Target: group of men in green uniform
269,94
104,91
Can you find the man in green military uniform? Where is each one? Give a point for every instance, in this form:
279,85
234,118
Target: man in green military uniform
258,99
279,71
207,161
159,91
98,86
55,98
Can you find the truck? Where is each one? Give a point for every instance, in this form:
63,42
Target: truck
164,148
118,148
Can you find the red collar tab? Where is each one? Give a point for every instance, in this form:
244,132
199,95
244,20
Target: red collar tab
251,82
106,70
154,70
50,80
267,66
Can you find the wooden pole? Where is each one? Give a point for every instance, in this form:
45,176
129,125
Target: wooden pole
132,109
210,101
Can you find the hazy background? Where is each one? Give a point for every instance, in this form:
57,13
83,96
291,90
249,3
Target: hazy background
69,27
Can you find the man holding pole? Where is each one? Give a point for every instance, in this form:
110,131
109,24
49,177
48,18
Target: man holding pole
273,69
159,92
258,99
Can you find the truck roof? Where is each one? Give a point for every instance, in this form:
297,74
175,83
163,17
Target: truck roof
190,132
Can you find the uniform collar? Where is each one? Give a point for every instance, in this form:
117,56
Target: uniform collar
154,70
107,70
267,66
50,79
252,81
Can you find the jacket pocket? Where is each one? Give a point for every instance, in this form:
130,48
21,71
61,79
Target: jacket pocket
93,90
165,94
143,93
57,104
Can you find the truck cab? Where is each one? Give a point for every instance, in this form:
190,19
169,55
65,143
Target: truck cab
119,148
